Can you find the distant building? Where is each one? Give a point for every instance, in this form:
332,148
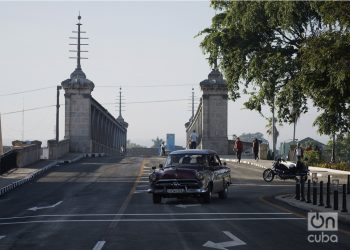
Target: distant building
170,142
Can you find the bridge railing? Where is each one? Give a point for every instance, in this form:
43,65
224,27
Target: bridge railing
196,123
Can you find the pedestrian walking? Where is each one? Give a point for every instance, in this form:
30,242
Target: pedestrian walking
162,149
121,150
239,148
194,138
298,152
256,149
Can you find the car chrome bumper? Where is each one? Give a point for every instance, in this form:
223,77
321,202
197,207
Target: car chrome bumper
178,191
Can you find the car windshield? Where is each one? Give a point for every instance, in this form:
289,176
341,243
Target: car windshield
186,161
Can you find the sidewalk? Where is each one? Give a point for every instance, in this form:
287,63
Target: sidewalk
18,176
322,173
343,216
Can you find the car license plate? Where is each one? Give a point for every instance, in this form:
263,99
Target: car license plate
175,191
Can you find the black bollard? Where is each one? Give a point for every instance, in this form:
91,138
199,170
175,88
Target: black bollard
328,194
308,196
302,190
297,190
335,194
348,184
344,209
321,194
314,194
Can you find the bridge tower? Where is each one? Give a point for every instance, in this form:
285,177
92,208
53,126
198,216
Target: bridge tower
214,113
78,103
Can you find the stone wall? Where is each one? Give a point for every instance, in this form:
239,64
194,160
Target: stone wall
57,150
27,153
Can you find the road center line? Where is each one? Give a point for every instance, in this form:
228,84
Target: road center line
99,245
138,214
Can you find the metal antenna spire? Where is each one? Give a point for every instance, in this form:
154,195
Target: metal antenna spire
78,49
78,44
120,101
192,103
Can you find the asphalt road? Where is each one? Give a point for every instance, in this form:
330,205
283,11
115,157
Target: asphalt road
101,203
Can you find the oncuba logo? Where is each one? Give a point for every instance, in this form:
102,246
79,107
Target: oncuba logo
322,222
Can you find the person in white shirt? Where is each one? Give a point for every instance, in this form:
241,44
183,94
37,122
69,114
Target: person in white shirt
298,152
193,137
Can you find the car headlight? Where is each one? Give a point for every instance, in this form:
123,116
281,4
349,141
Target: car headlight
153,177
199,176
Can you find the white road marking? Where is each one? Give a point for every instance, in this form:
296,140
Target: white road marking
188,205
99,245
2,236
38,208
140,191
235,241
146,214
155,220
142,186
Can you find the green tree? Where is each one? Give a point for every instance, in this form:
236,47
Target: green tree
157,142
249,137
282,53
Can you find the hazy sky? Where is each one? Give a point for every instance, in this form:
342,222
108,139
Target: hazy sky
139,46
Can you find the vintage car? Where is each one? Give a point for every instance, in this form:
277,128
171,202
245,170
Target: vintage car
196,173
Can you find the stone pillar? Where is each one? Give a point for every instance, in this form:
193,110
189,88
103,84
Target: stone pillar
78,111
214,113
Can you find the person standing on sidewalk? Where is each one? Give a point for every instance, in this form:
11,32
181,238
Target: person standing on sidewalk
194,138
298,152
239,148
256,149
162,149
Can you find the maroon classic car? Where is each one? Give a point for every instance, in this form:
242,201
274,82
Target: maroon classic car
197,173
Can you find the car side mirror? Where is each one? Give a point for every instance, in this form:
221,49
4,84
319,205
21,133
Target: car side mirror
160,165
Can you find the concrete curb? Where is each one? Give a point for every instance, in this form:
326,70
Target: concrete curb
245,162
35,174
289,199
93,155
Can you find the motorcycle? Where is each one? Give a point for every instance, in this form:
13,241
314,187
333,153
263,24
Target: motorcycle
286,170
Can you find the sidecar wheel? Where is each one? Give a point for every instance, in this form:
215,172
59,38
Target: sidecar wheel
268,175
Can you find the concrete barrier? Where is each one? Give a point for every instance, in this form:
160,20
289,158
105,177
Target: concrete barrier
57,150
27,152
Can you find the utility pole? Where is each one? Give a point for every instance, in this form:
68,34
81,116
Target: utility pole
23,119
1,146
192,103
58,113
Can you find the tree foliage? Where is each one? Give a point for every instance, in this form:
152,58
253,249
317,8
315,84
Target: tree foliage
283,53
157,142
